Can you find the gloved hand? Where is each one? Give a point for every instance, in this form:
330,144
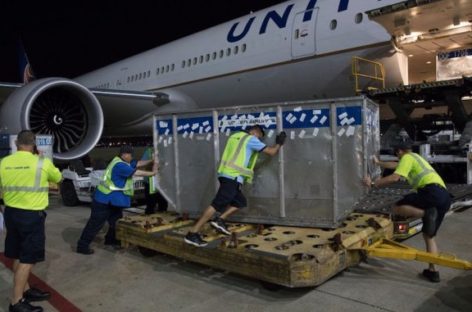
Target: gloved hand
280,138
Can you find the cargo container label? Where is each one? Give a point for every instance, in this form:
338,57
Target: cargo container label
306,118
164,126
238,122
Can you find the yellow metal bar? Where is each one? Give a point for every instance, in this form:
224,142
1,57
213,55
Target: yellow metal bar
379,72
386,248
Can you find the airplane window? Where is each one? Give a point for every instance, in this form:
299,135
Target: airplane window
358,18
207,57
189,62
162,69
214,55
222,53
194,60
183,64
243,48
172,67
140,76
149,73
167,68
201,59
228,52
127,80
236,50
333,24
157,71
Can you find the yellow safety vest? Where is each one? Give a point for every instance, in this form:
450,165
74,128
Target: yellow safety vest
24,179
107,186
234,156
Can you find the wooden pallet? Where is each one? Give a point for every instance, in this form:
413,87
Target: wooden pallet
288,256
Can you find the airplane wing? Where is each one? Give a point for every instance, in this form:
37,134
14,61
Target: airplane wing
427,26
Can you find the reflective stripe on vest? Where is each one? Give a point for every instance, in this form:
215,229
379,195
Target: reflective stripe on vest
106,184
416,180
152,185
233,164
36,188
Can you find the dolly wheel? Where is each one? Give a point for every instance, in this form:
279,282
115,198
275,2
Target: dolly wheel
146,252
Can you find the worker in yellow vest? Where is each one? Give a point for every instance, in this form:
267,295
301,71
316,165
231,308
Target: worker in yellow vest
236,167
24,180
430,201
151,193
111,196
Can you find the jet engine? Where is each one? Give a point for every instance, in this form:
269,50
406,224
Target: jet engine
59,107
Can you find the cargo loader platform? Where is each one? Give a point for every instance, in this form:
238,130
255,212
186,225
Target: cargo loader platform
280,255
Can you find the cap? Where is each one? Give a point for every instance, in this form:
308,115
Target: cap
406,145
126,149
258,127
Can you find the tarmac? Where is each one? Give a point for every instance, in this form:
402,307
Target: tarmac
124,280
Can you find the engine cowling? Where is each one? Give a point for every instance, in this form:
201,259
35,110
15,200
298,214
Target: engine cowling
59,107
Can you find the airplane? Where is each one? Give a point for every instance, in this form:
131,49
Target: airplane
296,50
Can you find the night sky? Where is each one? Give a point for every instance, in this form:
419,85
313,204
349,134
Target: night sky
69,38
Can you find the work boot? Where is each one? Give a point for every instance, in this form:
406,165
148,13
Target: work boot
85,251
195,239
24,306
429,221
34,294
220,225
432,276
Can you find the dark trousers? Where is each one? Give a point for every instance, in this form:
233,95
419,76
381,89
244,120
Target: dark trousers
152,200
100,213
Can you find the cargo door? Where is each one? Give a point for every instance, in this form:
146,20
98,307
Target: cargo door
303,34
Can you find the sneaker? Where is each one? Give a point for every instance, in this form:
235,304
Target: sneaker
34,294
429,221
220,226
195,239
87,251
24,306
432,276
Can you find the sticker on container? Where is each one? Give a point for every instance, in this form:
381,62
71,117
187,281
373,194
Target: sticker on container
341,131
344,121
291,121
249,116
302,117
165,143
234,117
289,117
207,129
191,135
206,123
342,116
297,109
195,126
350,131
323,120
160,139
179,128
208,138
200,130
270,134
185,134
317,112
314,119
167,132
292,135
170,141
186,126
301,134
351,120
228,132
163,124
315,131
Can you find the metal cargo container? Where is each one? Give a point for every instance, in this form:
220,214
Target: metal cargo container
314,181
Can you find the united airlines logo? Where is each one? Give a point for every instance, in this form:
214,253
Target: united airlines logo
238,32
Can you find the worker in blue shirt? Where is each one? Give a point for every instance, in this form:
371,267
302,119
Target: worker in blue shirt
111,196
